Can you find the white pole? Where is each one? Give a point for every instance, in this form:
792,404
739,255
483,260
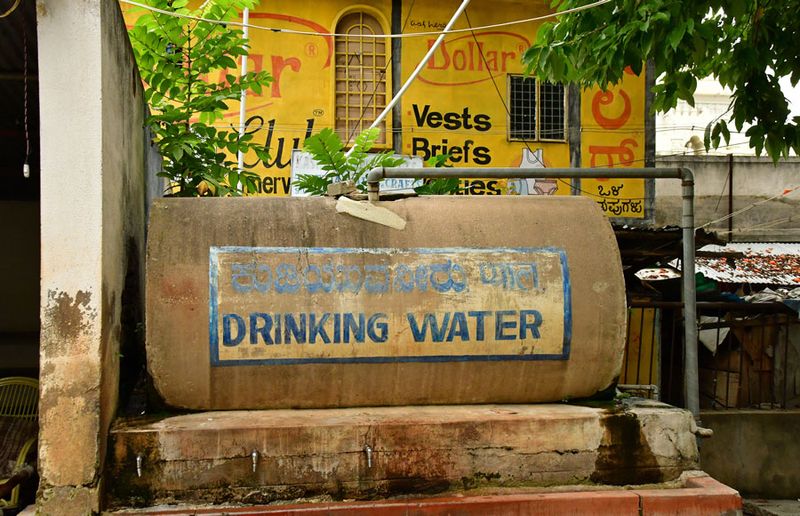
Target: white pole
418,69
243,99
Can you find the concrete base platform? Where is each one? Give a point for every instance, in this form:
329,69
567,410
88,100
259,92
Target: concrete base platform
695,494
208,457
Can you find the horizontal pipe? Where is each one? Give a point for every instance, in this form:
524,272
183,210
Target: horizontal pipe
376,174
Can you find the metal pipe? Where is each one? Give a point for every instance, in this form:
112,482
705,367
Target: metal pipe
243,97
375,175
254,459
690,368
730,197
417,70
691,382
368,452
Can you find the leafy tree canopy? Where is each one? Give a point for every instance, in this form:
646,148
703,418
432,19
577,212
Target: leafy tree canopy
190,73
748,45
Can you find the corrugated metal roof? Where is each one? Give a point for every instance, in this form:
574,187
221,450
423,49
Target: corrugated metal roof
746,262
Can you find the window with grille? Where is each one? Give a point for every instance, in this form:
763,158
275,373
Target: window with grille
360,76
537,110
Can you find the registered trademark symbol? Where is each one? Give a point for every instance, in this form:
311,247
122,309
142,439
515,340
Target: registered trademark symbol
318,112
311,49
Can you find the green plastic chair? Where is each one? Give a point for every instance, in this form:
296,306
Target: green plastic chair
19,404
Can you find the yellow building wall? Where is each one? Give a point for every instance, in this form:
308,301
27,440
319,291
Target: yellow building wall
458,104
612,135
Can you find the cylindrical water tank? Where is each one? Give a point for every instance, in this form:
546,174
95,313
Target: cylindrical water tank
262,303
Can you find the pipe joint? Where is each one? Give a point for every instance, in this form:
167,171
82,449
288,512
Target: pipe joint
374,177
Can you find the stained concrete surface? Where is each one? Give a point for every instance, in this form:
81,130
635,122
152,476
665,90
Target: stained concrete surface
695,493
207,457
760,507
754,451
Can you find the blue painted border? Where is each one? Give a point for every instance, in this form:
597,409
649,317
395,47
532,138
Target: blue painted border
213,277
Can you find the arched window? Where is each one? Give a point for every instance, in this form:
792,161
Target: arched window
360,76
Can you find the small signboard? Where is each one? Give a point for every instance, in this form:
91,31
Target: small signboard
304,163
292,305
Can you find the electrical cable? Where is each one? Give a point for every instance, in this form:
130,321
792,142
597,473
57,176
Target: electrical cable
470,29
376,36
572,187
749,207
26,167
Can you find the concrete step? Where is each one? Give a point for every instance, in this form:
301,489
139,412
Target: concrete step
695,494
208,457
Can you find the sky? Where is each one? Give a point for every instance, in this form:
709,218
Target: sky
793,94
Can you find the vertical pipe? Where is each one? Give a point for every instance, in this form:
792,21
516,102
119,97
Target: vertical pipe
397,67
243,98
730,197
574,131
691,371
650,115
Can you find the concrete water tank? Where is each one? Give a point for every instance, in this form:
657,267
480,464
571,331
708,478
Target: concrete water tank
263,303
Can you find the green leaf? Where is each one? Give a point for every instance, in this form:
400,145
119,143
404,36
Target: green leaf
676,35
178,89
326,148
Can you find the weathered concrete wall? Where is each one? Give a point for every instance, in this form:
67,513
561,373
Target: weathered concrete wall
94,153
755,180
754,451
199,251
418,449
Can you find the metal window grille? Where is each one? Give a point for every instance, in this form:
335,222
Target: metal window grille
552,114
537,111
522,125
360,76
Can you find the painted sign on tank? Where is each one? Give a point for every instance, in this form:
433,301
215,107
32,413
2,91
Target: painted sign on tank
292,305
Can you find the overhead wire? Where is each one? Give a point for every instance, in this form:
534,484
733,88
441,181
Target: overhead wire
376,36
785,192
763,226
470,30
26,167
573,187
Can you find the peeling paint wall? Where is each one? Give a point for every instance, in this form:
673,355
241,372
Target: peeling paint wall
95,158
